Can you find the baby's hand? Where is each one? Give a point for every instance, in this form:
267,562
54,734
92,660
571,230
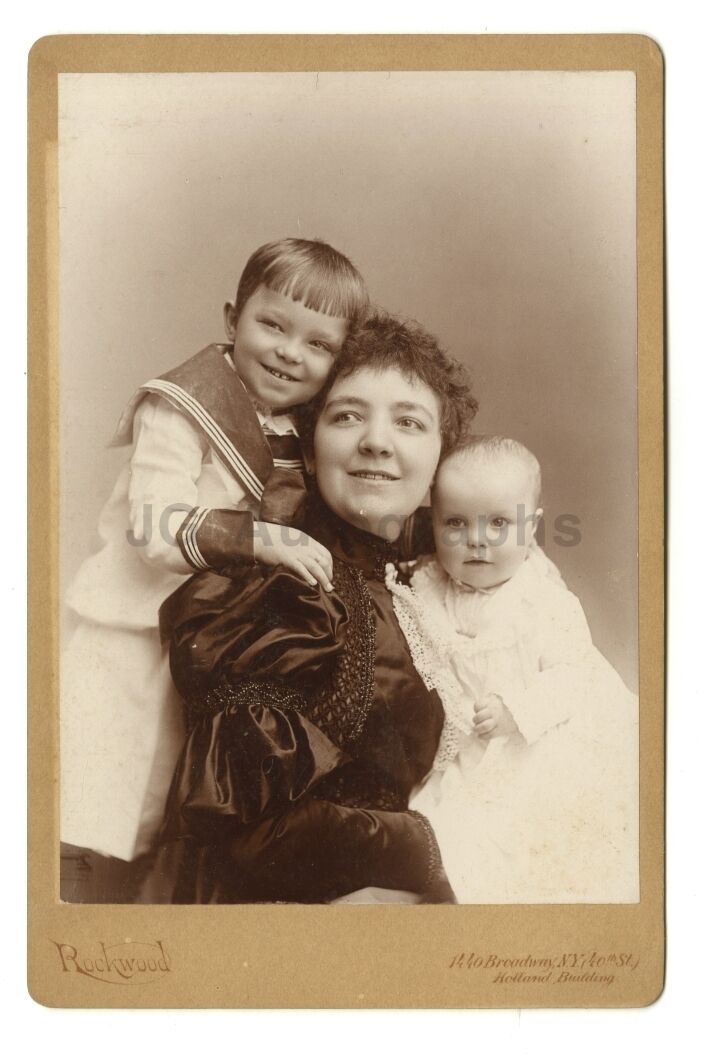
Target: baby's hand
297,551
492,718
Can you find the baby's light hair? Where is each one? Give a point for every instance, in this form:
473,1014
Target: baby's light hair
308,271
491,446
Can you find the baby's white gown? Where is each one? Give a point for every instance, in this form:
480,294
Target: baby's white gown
550,816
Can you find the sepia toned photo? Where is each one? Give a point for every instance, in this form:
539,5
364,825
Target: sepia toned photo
347,488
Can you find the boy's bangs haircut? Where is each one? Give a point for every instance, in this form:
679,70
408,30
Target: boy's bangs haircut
307,271
384,342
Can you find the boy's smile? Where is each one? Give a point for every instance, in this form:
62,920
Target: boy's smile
282,350
279,375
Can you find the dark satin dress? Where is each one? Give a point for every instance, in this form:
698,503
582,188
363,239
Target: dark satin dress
309,727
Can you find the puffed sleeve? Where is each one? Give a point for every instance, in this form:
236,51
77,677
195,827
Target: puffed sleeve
267,624
244,655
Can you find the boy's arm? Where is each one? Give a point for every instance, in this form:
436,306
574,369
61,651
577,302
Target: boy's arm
164,469
224,540
173,532
217,539
220,538
168,526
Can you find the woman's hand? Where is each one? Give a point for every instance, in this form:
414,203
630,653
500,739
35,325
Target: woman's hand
440,891
295,550
492,719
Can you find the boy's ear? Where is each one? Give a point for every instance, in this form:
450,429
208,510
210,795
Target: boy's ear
230,321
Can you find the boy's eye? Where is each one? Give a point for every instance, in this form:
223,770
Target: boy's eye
320,344
271,324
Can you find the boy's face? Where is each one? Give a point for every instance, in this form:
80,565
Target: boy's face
484,517
283,351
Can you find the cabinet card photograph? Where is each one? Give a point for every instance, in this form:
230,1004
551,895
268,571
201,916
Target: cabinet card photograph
346,410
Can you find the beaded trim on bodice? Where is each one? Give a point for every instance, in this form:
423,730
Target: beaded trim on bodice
341,708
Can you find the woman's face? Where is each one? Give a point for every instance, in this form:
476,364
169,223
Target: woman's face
376,447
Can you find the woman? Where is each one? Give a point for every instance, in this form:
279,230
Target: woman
310,725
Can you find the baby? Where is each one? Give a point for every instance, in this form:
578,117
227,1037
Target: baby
210,439
534,792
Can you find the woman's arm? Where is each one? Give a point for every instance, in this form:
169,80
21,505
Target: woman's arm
245,787
316,851
247,655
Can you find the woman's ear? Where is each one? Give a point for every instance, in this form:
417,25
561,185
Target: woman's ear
230,321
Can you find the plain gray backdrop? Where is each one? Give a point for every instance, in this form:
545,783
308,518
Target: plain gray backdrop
498,209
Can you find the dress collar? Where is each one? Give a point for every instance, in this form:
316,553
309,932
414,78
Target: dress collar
462,588
361,549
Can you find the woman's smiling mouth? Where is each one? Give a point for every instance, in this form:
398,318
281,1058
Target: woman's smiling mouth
369,474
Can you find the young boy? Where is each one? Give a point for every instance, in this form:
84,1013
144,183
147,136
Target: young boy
207,437
534,793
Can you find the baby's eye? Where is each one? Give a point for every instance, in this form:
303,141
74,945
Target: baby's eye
498,521
455,522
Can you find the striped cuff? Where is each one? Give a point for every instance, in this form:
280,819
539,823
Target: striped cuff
217,538
186,536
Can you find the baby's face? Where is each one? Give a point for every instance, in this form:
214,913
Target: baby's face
484,517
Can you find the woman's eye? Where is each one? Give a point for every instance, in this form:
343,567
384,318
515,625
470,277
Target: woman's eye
409,422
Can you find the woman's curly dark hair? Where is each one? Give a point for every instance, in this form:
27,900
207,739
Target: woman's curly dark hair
387,342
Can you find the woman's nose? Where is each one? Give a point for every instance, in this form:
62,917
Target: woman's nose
376,438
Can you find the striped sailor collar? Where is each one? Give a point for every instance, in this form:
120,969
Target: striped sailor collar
207,391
